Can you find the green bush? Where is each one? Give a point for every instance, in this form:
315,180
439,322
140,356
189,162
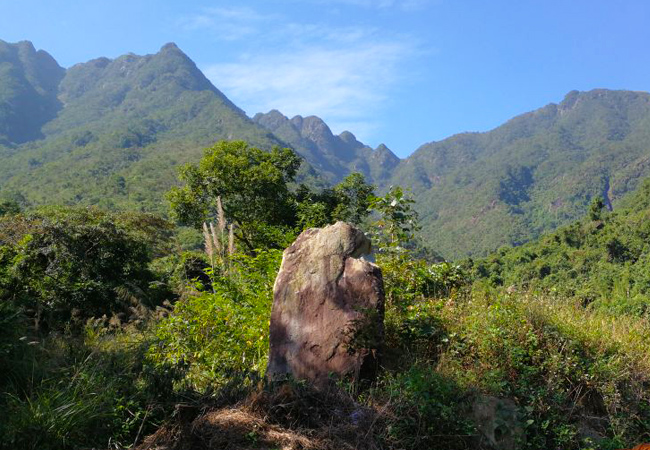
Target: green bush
222,330
84,391
567,368
427,410
63,263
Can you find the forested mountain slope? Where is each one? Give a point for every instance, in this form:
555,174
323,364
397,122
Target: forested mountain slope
122,128
603,259
479,191
114,131
28,89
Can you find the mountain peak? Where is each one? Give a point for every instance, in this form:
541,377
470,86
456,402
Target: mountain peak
170,46
272,120
27,91
26,45
348,137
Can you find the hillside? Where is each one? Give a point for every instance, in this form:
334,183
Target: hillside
122,128
126,124
110,340
479,191
603,259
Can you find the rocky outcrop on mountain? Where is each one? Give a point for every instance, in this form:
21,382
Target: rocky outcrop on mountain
328,308
28,91
334,156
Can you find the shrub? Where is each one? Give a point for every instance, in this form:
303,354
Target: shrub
222,330
57,263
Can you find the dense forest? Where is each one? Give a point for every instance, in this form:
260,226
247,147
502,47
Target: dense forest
121,328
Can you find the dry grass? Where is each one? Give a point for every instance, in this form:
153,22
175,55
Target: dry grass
287,418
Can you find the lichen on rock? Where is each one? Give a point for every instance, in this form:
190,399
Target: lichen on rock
325,295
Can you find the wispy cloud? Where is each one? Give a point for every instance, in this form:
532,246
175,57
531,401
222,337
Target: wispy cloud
227,23
405,5
343,74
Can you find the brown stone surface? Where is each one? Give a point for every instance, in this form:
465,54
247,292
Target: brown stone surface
323,293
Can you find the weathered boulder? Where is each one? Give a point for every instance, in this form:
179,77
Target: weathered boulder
328,308
498,420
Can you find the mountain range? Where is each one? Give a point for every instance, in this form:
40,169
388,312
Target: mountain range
113,132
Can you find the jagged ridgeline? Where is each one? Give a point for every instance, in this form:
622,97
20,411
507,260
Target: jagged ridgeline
333,156
113,132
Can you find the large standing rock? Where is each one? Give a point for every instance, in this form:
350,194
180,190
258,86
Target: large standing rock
327,302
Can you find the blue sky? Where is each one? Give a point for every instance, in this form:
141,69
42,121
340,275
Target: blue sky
397,72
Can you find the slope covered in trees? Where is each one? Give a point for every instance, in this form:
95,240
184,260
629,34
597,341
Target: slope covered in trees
333,156
479,191
28,91
120,128
123,127
603,259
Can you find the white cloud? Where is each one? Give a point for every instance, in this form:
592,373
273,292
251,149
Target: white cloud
227,23
342,74
343,85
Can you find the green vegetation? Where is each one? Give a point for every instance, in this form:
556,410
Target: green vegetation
111,323
333,156
477,192
109,327
28,83
112,133
601,260
253,185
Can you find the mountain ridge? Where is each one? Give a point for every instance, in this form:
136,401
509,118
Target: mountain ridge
127,123
535,172
334,155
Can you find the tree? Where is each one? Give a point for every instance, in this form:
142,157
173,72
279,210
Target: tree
354,197
253,186
348,201
596,208
9,207
56,260
398,219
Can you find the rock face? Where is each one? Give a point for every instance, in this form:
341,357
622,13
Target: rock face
328,308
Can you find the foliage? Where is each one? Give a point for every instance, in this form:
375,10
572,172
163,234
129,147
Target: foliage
252,184
475,191
60,264
541,170
354,197
9,207
221,332
349,201
603,260
564,366
398,220
119,139
84,390
427,410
